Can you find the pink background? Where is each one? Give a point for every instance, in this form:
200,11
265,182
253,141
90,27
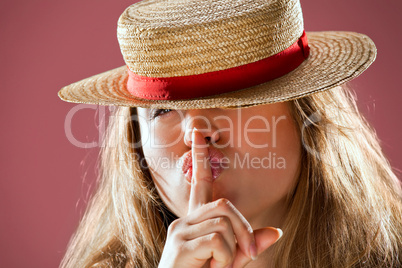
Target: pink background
46,44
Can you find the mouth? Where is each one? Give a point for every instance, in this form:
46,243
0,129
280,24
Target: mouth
215,159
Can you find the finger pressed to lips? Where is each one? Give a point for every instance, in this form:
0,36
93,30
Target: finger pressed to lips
201,183
201,197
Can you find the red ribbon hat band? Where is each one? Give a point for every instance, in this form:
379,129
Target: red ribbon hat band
218,82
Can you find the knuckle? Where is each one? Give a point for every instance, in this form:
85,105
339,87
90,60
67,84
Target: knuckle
224,203
216,240
173,226
177,238
180,246
223,223
216,244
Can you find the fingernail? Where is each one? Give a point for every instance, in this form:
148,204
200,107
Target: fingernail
253,251
193,142
280,233
192,132
193,136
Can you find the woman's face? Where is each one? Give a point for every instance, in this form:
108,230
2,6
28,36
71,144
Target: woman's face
258,150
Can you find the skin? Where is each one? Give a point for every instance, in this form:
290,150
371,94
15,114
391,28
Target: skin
217,218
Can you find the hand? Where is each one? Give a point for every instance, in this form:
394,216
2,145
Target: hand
212,232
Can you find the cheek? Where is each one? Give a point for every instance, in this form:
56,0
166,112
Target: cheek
287,155
174,196
161,149
167,178
162,138
276,167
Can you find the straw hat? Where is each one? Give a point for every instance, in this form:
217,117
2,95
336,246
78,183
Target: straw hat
192,54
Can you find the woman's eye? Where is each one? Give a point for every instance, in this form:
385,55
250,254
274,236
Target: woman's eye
160,112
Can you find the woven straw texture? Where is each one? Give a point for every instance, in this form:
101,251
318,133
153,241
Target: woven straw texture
178,38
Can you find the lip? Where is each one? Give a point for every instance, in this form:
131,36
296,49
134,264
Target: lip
216,162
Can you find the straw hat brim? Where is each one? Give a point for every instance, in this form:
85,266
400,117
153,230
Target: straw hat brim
335,58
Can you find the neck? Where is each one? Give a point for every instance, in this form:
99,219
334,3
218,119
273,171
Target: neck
272,217
263,260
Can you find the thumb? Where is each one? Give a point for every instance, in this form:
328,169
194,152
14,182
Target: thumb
264,238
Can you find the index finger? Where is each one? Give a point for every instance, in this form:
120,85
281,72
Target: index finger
201,182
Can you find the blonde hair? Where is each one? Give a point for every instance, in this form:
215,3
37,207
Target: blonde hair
345,210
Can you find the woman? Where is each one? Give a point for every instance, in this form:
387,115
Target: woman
235,124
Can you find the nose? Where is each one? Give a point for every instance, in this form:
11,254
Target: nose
202,120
